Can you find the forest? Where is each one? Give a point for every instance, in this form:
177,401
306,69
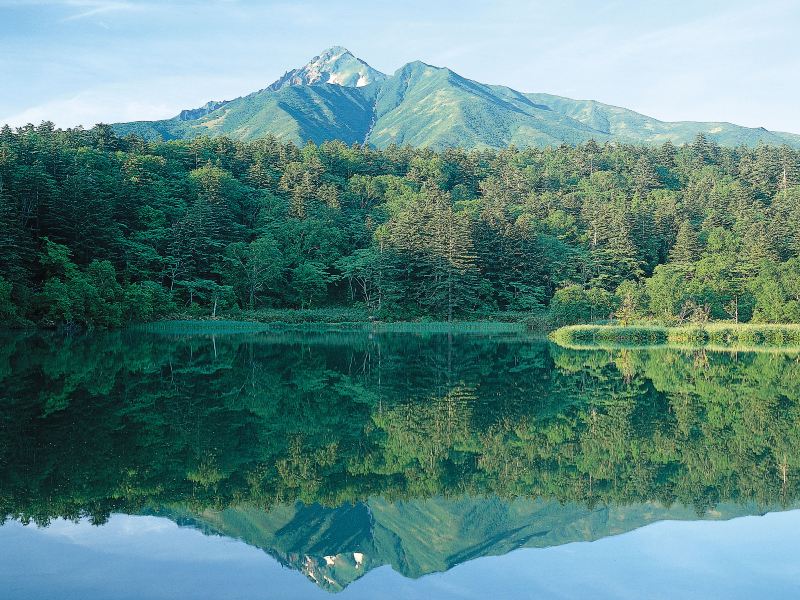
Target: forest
98,230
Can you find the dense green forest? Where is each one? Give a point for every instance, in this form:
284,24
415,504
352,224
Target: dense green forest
100,230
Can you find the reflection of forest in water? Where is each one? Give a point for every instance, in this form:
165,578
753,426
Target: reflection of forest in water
127,422
337,453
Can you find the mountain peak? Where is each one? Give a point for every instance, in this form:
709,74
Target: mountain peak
335,51
336,65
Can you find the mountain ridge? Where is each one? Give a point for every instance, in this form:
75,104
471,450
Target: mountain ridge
338,96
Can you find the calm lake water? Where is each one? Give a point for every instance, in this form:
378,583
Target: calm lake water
295,465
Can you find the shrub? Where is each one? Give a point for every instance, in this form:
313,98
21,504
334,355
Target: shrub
575,304
147,301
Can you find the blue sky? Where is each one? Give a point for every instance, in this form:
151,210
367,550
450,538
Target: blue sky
83,61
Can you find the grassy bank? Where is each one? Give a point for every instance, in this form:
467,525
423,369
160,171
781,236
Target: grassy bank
220,327
723,335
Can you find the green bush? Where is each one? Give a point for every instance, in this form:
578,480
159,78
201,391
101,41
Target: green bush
576,304
147,301
88,298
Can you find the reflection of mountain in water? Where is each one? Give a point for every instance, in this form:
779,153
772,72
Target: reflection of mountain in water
334,547
385,426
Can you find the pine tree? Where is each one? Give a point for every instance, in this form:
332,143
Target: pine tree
16,245
686,249
766,172
645,177
666,154
704,152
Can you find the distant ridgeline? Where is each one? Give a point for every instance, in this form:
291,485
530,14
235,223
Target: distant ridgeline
337,96
350,446
97,230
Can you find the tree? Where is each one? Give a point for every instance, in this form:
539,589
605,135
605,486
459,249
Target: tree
666,290
703,150
645,178
777,293
8,312
362,270
309,283
220,297
686,249
254,267
409,233
147,301
630,302
575,304
79,298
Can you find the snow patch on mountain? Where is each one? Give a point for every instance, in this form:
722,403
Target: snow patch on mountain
336,65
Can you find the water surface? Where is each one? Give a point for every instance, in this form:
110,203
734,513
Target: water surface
399,465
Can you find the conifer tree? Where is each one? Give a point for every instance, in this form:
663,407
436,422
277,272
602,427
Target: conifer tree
686,249
645,178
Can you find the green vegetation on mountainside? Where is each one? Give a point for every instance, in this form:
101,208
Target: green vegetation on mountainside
337,96
302,113
630,127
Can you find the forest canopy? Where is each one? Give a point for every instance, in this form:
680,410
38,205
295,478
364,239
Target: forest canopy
99,230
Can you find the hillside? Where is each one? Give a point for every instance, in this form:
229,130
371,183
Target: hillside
624,125
339,96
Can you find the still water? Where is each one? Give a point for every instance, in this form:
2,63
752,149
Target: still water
292,465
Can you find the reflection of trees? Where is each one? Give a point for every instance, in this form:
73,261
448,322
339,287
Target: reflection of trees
121,421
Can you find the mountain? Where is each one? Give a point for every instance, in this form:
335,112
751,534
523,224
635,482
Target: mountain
337,66
624,125
339,96
423,105
335,546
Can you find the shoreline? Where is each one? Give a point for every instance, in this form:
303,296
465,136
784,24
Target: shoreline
220,326
711,336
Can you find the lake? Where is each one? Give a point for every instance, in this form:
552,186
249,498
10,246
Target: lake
399,465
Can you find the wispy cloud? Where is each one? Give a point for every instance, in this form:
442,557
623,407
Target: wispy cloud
88,108
81,9
128,101
91,8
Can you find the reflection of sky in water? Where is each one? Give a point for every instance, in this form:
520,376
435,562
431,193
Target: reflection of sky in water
149,557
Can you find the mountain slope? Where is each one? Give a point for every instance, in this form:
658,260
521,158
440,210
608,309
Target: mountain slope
339,96
298,113
626,125
423,105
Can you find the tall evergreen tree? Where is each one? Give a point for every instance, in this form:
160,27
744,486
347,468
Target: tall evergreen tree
686,249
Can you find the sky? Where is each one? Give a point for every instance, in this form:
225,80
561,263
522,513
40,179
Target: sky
86,61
